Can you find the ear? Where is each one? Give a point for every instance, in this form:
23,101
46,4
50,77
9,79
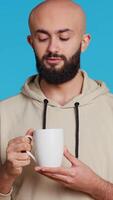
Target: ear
85,42
30,40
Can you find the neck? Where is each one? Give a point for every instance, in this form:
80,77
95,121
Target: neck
63,93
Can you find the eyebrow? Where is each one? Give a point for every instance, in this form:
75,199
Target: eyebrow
65,30
42,31
59,31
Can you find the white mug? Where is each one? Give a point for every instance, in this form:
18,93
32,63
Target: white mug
48,147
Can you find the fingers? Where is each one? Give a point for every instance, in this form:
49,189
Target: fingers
70,157
22,143
29,136
57,170
58,174
18,147
63,179
30,132
56,177
18,156
20,163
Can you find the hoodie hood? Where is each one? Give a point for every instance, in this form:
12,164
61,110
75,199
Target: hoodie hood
91,90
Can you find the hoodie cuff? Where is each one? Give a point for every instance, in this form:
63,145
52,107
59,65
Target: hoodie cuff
6,196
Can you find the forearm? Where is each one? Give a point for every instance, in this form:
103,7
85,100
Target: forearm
6,182
102,190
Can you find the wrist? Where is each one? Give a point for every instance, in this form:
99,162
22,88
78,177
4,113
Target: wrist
6,181
6,195
101,189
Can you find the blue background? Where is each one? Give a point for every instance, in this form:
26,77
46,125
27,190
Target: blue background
17,61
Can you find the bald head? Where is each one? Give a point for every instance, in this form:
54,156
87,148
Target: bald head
64,12
58,37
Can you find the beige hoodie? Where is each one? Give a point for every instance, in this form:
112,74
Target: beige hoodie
95,123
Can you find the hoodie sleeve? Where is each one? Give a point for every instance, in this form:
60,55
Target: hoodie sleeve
3,196
6,196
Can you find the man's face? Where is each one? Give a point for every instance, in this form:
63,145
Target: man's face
57,44
61,75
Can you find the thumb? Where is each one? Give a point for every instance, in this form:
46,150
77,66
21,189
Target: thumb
70,157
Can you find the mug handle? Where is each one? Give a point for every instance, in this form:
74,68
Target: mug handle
28,152
31,155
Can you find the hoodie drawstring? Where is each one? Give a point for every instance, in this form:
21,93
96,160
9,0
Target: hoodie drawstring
44,113
76,121
77,129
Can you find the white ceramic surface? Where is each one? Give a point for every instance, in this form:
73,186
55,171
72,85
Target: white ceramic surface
49,147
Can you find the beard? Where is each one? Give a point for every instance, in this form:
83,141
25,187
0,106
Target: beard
64,74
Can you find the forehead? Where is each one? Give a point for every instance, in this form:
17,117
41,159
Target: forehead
52,19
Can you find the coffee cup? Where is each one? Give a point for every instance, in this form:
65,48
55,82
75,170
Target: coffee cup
48,147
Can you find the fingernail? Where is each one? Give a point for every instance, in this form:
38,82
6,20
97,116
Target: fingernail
43,169
37,168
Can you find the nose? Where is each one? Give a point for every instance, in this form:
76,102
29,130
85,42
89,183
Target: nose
53,46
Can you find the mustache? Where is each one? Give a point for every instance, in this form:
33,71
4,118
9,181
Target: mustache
53,55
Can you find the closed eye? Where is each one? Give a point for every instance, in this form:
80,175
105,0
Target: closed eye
64,39
42,40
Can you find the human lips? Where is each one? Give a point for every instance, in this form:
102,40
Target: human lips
53,60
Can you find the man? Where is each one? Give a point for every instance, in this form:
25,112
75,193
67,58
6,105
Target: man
61,96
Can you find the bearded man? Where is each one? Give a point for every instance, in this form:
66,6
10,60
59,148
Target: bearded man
60,95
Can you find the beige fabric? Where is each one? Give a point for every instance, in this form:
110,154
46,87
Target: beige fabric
6,196
25,111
